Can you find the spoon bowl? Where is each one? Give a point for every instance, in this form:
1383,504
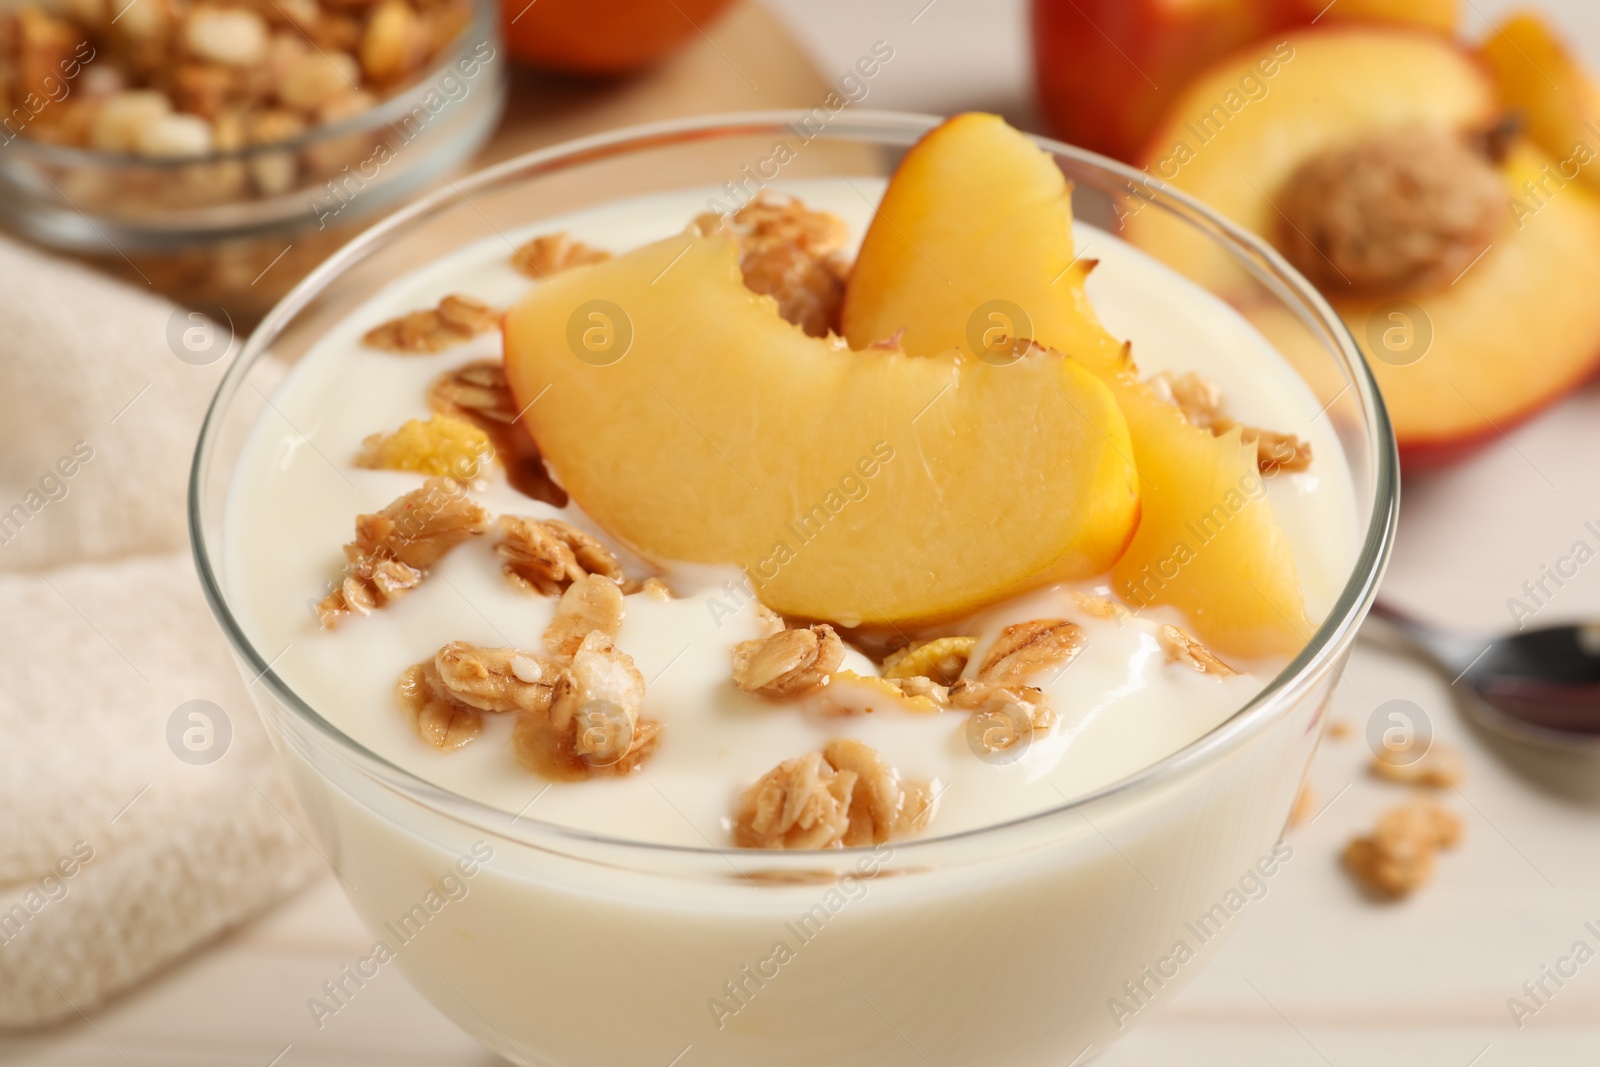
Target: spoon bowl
1538,686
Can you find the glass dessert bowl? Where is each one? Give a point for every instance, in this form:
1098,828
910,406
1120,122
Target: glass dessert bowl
1044,782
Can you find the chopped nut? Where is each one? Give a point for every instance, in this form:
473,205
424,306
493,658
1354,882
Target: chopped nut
1200,400
943,659
788,663
791,254
545,556
456,319
478,392
317,77
593,724
552,253
175,137
1398,857
844,796
1184,648
439,446
394,43
231,35
1440,767
592,604
395,547
123,118
1027,648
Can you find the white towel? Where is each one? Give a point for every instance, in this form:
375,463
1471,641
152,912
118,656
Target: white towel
116,855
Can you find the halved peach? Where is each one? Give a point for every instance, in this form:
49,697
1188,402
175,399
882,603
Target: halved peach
1502,327
1519,329
690,420
977,218
1335,86
1537,73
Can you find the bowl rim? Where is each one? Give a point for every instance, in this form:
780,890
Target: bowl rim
1330,641
482,28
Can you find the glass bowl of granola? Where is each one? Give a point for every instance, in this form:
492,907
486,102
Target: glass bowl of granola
193,146
874,785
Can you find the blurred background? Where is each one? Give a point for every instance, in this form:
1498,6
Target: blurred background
191,196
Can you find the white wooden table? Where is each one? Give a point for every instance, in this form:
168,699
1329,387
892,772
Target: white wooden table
1318,975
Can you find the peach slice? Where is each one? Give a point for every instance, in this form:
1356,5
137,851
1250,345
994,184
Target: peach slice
690,420
977,214
1538,75
1335,86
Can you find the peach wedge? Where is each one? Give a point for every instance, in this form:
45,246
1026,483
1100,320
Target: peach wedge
976,214
692,422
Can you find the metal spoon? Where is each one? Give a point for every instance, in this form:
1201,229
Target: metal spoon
1540,686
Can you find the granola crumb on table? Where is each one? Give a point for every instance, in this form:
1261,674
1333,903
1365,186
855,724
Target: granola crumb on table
1398,857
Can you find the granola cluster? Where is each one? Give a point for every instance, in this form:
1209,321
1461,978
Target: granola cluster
1185,649
1397,857
394,548
788,663
552,253
478,393
844,796
171,79
456,319
1200,400
578,706
790,253
546,556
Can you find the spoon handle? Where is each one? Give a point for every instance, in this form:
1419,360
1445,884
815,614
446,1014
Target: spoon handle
1389,626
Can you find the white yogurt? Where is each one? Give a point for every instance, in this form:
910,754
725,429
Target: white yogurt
1121,706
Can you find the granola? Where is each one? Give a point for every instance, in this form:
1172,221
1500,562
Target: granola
447,695
942,659
1003,716
1184,648
546,556
440,445
593,724
788,663
1440,767
478,393
552,253
1026,648
457,319
1398,857
791,254
592,604
1200,400
844,796
174,78
1099,607
395,547
849,692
